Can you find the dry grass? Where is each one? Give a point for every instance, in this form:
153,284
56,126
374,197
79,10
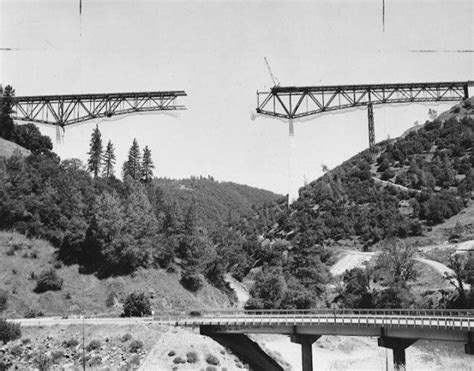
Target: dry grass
87,291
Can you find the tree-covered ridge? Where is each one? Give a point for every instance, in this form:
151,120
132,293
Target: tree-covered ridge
407,186
434,167
216,203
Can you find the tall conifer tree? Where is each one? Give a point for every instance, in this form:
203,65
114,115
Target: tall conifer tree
6,122
132,167
109,160
147,166
95,152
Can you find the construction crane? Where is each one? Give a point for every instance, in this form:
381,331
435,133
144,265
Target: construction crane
274,79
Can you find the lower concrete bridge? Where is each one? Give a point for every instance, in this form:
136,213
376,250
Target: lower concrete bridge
395,329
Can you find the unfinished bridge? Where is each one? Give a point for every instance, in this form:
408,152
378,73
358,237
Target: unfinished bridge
395,329
64,110
293,103
297,102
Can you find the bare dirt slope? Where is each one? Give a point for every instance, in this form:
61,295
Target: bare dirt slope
240,290
7,149
349,260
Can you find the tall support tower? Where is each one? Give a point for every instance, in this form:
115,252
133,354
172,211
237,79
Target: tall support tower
370,116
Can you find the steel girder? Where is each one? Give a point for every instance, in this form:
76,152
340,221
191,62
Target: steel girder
64,110
297,102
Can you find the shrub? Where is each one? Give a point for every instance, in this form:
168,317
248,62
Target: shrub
171,353
212,360
137,304
57,355
16,350
191,280
135,346
71,343
93,345
134,360
179,360
48,280
192,357
195,313
3,300
42,361
9,331
33,313
125,337
4,365
95,361
110,301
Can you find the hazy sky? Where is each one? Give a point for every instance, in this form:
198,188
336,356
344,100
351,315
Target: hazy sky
214,51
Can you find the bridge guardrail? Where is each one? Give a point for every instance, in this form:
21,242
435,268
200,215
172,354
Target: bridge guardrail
419,318
340,312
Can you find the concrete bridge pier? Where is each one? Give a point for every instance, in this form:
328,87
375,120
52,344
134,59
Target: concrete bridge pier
306,342
469,346
398,345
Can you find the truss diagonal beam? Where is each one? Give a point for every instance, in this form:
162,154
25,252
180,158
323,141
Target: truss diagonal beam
66,110
336,97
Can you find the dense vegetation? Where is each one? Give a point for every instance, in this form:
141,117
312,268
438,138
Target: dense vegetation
407,186
109,226
204,228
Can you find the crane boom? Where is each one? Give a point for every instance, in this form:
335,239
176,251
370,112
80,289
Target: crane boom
275,80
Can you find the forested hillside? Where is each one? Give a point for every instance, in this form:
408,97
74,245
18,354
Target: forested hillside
202,229
216,203
110,226
370,201
406,186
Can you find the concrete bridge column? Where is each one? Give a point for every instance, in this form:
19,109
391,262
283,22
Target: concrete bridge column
306,342
469,346
398,346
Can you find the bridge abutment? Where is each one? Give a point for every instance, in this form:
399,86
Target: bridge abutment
398,346
306,342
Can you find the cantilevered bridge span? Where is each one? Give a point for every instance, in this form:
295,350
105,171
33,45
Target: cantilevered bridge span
64,110
298,102
395,329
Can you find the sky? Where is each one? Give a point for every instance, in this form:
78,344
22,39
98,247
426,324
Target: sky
215,52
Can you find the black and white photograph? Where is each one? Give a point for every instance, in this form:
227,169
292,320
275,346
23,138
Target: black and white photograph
230,185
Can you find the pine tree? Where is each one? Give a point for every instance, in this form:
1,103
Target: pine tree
109,160
95,152
147,166
132,166
7,126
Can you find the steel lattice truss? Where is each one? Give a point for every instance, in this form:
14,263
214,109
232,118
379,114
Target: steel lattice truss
296,102
65,110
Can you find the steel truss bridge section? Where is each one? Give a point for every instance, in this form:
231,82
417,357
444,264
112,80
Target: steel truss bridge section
64,110
298,102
